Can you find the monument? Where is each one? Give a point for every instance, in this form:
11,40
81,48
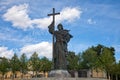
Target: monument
60,39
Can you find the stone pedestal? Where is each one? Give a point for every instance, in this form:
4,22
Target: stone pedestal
59,73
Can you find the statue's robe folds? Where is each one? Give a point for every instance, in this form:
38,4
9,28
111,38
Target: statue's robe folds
62,37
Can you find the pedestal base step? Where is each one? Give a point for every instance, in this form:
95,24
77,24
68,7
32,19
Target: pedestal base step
59,73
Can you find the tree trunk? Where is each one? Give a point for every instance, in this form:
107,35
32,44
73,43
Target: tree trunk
33,74
44,74
108,76
97,73
3,77
36,74
22,76
116,77
13,76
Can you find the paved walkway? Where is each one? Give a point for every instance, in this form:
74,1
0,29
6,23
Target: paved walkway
67,79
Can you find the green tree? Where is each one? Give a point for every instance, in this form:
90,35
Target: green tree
99,57
79,55
89,58
115,71
35,63
73,61
46,64
4,66
107,59
23,64
14,65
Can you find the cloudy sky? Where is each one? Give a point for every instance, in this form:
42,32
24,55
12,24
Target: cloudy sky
24,25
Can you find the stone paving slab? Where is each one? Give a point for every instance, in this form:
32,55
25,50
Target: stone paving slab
67,79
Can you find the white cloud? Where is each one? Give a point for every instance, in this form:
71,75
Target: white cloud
69,14
4,52
42,23
43,49
19,17
90,21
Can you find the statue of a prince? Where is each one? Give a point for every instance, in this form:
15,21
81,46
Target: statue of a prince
62,37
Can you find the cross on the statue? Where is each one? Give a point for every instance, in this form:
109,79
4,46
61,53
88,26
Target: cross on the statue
53,14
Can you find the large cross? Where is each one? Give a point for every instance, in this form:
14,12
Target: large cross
53,14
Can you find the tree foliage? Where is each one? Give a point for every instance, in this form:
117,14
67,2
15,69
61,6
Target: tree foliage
99,56
34,63
89,58
14,64
4,66
38,64
45,64
72,60
23,64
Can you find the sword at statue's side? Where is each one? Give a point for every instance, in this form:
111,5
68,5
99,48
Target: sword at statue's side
53,27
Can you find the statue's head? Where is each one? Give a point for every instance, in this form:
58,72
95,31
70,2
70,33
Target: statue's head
60,27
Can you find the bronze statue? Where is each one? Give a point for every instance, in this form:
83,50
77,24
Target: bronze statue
62,37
